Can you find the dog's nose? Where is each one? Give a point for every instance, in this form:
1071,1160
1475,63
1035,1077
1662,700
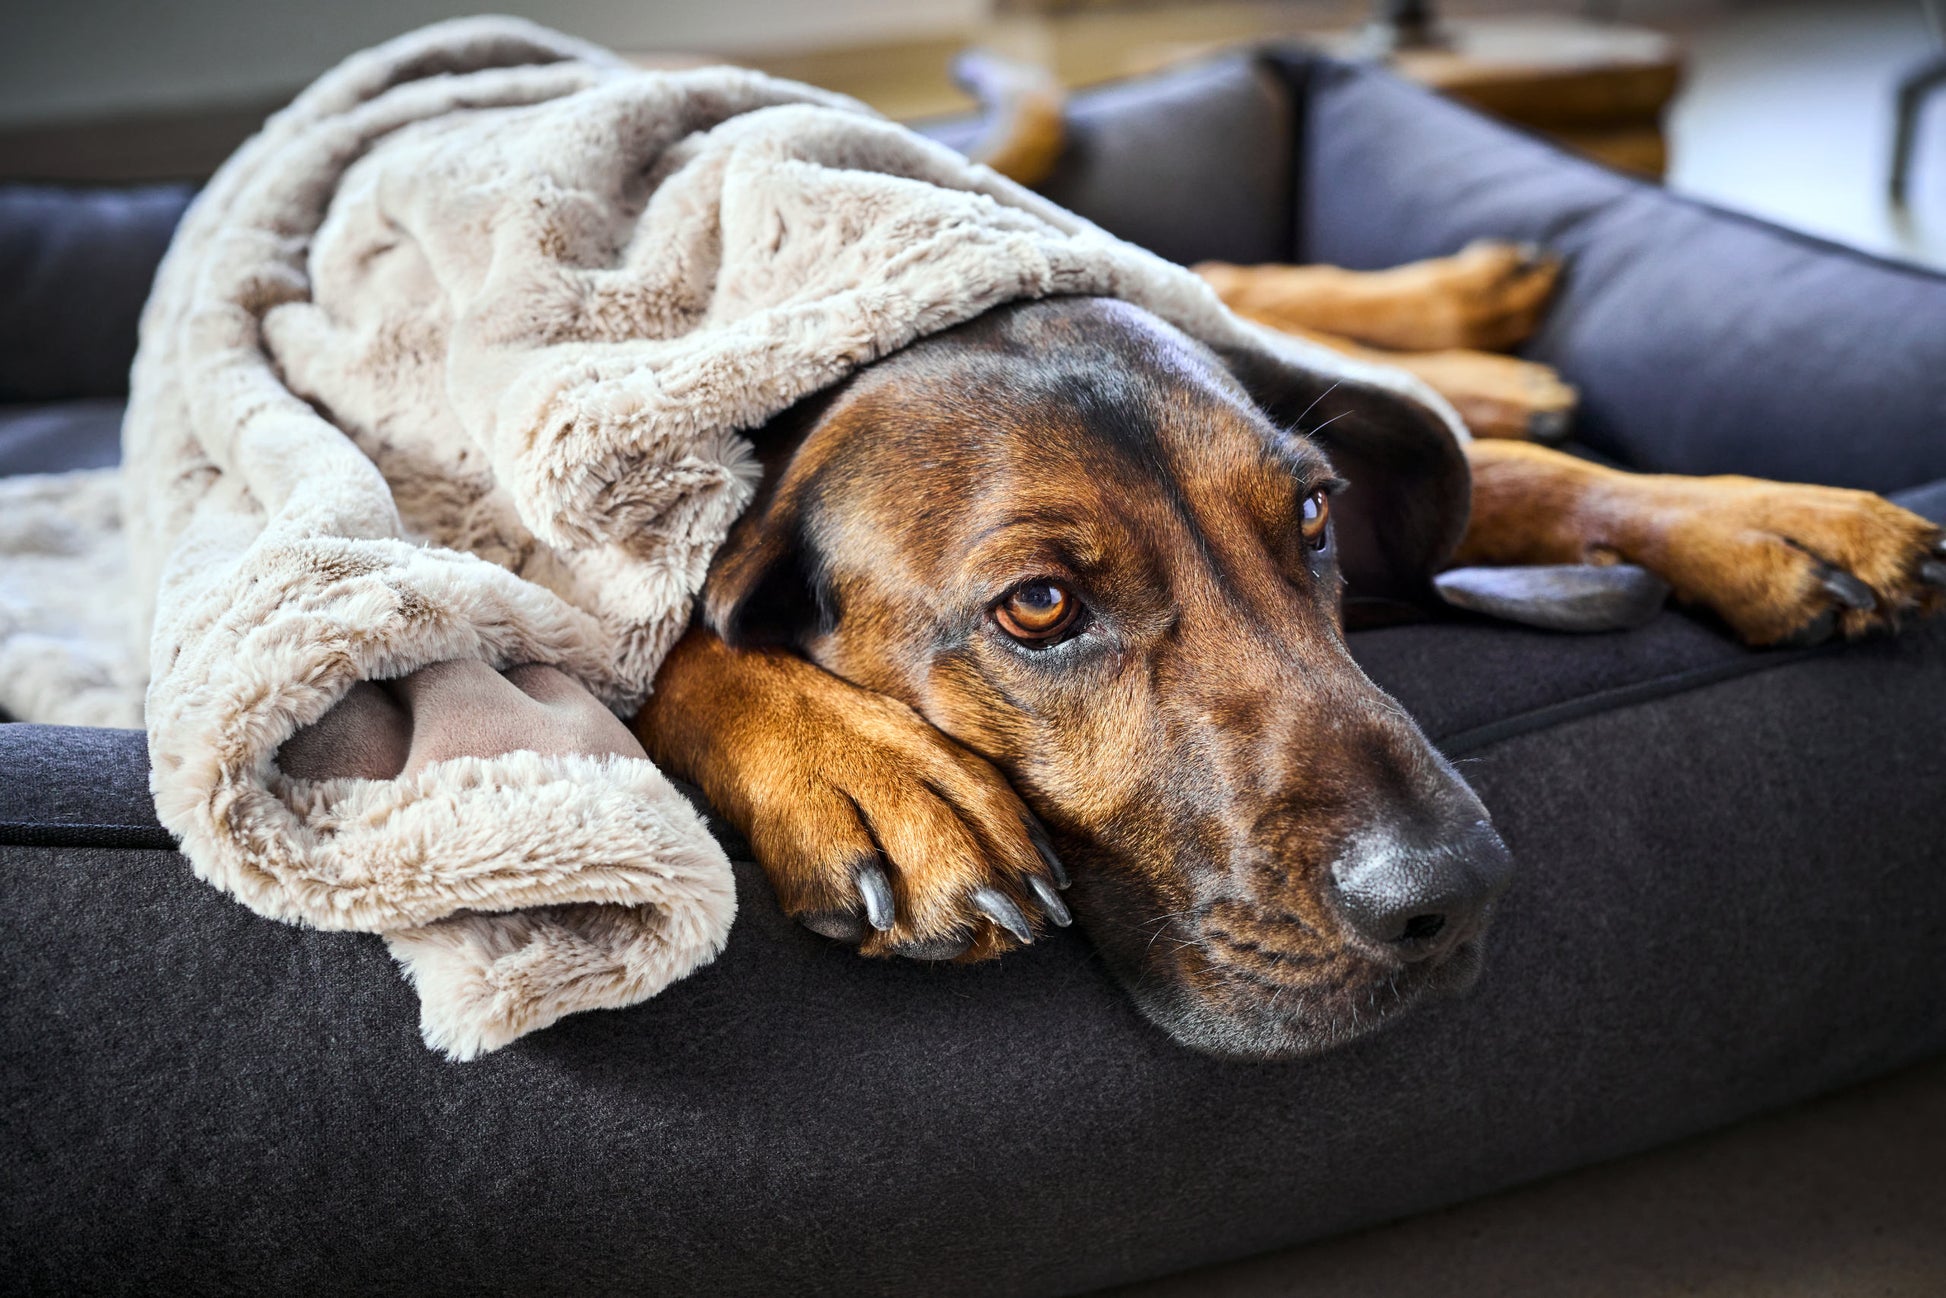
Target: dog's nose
1420,898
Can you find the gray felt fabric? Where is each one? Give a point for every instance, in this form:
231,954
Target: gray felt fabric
73,785
1731,897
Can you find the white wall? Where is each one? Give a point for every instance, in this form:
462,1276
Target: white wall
90,58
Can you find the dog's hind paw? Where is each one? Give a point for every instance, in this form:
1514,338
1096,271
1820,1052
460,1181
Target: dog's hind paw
1489,296
1788,564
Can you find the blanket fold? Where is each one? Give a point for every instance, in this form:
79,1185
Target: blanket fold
455,360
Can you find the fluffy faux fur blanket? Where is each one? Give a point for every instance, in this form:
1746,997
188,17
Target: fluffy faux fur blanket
452,362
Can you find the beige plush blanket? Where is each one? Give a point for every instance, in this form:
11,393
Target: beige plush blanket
453,361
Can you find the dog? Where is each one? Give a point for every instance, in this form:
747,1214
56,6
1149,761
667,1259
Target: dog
1040,620
1056,598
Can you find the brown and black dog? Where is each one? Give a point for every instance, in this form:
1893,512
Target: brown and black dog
1060,591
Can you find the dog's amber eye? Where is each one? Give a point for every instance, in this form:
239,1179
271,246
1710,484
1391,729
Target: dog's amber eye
1316,520
1036,611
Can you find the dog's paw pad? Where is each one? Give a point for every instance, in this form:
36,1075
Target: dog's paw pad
838,925
932,949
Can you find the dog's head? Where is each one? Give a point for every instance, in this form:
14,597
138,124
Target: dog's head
1111,562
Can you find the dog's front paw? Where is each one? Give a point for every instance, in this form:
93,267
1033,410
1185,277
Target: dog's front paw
1786,564
879,831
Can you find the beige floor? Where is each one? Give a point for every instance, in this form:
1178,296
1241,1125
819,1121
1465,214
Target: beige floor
1841,1198
1787,114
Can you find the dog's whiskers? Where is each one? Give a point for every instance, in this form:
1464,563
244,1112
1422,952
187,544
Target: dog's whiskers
1180,942
1162,926
1313,432
1314,402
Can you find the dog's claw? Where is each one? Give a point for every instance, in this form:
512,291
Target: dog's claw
1548,426
1847,589
1050,900
876,891
1530,255
1933,572
1054,867
999,907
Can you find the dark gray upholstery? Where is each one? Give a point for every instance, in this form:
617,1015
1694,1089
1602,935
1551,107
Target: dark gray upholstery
75,268
1227,199
1731,897
82,434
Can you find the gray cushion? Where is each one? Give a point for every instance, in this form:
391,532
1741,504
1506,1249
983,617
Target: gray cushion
1123,167
84,434
76,265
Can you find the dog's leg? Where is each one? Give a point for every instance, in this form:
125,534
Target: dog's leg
1779,562
874,828
1487,298
1497,396
1440,314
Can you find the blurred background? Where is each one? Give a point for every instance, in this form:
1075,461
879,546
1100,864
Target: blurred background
1783,108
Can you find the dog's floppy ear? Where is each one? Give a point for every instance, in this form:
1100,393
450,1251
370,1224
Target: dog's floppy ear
766,583
1398,446
763,585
